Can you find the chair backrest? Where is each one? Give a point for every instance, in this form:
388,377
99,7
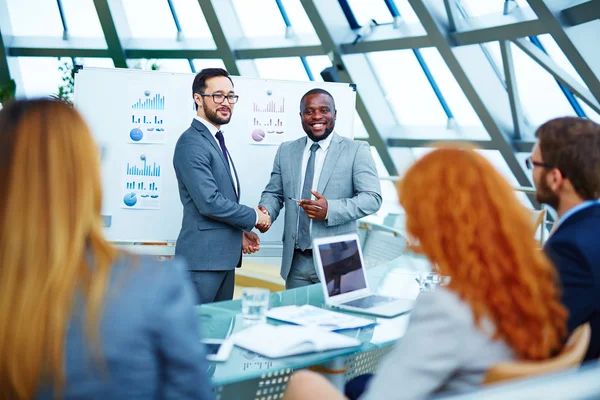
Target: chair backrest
538,218
380,244
571,356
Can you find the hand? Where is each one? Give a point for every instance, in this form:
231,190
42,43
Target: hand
264,219
250,243
315,209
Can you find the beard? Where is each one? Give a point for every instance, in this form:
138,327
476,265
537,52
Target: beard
545,195
318,138
213,117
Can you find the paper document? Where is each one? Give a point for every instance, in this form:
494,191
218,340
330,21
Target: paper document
287,340
316,317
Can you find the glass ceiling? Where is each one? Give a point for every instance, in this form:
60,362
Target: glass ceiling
487,71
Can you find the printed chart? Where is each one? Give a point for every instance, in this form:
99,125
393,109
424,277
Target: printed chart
142,181
267,119
147,119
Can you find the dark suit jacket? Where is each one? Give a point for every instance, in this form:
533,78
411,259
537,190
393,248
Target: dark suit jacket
213,220
149,340
574,248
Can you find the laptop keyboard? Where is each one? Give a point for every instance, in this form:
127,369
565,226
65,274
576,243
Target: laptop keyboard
369,301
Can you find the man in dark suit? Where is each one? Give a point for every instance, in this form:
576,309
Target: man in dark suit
215,227
566,174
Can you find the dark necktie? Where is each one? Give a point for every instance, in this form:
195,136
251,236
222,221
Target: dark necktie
303,240
221,139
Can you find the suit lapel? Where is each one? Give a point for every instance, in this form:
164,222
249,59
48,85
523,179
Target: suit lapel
206,133
333,154
297,152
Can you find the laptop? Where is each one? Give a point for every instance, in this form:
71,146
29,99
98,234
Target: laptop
339,263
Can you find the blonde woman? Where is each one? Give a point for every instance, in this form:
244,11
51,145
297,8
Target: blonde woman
78,319
501,303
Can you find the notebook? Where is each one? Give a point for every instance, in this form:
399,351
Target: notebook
339,263
287,340
317,317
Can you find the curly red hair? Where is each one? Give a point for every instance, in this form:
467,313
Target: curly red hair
468,221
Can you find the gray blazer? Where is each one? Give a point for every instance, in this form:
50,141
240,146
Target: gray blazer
213,220
348,180
442,350
149,340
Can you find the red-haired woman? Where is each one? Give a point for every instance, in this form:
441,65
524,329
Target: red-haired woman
501,303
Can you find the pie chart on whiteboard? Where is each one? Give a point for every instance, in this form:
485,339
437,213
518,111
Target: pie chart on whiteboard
136,134
130,199
258,135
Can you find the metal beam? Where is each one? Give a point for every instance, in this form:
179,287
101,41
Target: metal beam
561,75
405,142
278,51
331,26
440,38
4,70
582,13
386,37
550,17
5,32
511,87
225,28
106,15
497,33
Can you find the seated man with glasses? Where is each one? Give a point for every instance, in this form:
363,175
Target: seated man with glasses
566,174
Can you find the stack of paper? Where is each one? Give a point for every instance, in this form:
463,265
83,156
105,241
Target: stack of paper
287,340
316,317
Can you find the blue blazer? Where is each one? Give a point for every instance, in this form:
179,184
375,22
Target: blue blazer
213,219
574,249
149,340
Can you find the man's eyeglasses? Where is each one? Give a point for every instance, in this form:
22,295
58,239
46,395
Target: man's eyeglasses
220,98
529,163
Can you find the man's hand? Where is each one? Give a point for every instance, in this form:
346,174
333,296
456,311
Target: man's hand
250,243
264,219
315,209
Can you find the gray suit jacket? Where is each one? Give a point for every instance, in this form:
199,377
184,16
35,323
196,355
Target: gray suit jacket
149,340
442,351
213,220
348,180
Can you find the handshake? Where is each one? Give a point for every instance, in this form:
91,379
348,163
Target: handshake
264,219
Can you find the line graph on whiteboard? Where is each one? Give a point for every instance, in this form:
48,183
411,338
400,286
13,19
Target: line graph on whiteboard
268,119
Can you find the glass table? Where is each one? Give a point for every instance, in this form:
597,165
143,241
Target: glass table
220,320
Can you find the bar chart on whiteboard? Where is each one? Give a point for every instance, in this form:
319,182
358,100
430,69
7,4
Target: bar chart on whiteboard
141,181
267,119
147,116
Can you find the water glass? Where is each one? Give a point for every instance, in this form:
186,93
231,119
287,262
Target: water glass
428,282
255,303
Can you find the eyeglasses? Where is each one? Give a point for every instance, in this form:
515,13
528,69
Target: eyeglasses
220,98
529,163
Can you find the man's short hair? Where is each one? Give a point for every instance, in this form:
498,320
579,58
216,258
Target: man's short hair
317,91
573,146
199,85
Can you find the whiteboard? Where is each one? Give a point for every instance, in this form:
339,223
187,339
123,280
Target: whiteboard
136,118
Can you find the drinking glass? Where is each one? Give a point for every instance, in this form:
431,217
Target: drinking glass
255,303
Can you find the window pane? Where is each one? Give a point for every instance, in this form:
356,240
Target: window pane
163,65
360,131
259,18
558,56
96,62
192,21
82,18
286,68
318,64
389,194
40,75
406,12
403,158
366,10
298,18
45,21
409,92
589,112
539,93
149,19
461,108
200,64
476,8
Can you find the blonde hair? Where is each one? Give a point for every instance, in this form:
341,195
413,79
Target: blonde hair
51,241
468,221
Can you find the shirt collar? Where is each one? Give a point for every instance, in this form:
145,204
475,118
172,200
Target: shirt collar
323,144
211,128
577,208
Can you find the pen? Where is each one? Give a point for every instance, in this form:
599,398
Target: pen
298,201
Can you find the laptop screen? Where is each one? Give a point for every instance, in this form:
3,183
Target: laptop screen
342,267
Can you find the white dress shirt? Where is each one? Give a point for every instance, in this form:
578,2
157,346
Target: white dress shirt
320,155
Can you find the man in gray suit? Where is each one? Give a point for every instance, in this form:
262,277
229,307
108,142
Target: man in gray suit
215,227
339,172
